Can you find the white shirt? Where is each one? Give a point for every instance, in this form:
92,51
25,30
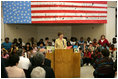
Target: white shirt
15,72
24,63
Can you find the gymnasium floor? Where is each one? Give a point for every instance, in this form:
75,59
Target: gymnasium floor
87,72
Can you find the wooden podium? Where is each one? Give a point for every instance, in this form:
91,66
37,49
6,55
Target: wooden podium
65,63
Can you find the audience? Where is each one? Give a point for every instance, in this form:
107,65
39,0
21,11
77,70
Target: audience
104,66
29,59
12,70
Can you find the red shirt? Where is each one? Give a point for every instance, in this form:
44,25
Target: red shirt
105,41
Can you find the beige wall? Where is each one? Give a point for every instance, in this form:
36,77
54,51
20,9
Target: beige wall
38,31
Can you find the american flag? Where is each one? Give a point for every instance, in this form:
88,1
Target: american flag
55,11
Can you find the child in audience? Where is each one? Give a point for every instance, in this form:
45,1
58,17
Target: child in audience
85,46
41,47
69,46
87,57
81,43
5,53
20,43
88,41
15,42
72,42
112,52
76,47
46,41
114,41
94,42
35,48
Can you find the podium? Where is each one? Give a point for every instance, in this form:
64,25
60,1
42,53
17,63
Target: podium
65,63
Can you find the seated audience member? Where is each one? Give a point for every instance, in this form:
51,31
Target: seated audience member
82,55
41,46
13,71
69,46
40,41
49,43
85,46
32,41
104,66
24,62
35,48
20,43
53,42
28,50
114,42
5,53
88,41
38,60
87,57
46,41
94,42
81,43
112,52
13,50
91,48
103,40
73,41
105,46
38,72
7,45
15,42
3,70
76,47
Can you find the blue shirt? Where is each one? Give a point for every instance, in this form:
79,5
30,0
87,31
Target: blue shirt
7,46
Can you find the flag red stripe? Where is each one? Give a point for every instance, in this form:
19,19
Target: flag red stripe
62,16
66,11
72,21
32,6
96,2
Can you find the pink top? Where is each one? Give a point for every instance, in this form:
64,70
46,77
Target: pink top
15,72
6,56
69,47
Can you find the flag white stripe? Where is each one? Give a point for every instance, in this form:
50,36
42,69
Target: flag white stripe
68,3
68,18
68,14
68,8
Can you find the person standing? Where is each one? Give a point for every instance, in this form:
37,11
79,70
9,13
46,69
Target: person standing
60,42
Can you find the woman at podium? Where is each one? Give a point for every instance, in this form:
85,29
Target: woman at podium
60,42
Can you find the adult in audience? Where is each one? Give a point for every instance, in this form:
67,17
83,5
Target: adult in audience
40,41
24,62
13,71
60,43
81,43
38,60
104,66
7,45
46,41
15,42
38,72
103,40
20,43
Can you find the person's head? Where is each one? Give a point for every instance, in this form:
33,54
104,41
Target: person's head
112,46
15,40
41,44
68,43
20,39
38,59
76,43
90,44
94,40
32,39
88,39
105,53
80,50
34,45
102,37
114,40
6,39
13,60
46,39
38,72
50,43
27,44
53,40
85,42
60,35
81,39
41,40
65,38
